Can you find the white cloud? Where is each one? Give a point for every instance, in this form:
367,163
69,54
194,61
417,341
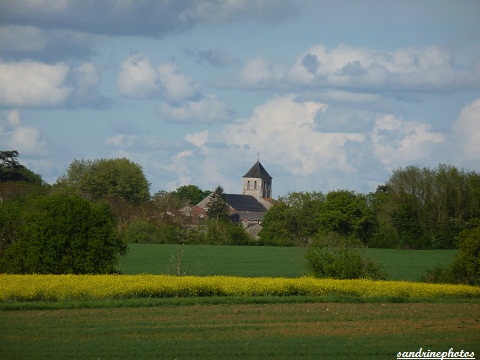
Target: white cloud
137,77
199,139
35,151
398,143
215,57
175,85
158,17
206,109
466,133
284,131
48,45
16,136
85,78
288,136
179,166
32,84
350,68
183,101
261,72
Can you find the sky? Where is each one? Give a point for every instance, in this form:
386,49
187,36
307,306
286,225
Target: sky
327,94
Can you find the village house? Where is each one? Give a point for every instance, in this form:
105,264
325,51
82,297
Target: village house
252,204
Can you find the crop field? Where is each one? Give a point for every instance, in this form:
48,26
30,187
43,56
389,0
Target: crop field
247,303
257,331
101,287
263,261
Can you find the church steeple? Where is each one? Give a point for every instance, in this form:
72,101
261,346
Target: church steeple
257,182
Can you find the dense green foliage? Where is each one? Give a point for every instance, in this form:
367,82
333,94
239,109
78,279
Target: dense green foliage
63,233
192,194
341,263
334,256
415,209
300,218
427,208
347,214
217,207
11,223
292,220
108,178
212,233
16,180
465,268
12,170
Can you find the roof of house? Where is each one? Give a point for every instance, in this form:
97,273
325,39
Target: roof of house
244,203
257,171
239,203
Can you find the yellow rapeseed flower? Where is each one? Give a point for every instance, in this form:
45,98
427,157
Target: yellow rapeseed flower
83,287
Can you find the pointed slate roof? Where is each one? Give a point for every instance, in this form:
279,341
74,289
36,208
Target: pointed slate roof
244,203
257,171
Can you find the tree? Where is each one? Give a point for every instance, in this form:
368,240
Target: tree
191,193
278,226
332,258
430,207
12,170
65,234
217,206
10,223
466,267
407,223
292,220
108,178
226,233
347,214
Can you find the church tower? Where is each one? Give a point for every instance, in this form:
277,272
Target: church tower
257,182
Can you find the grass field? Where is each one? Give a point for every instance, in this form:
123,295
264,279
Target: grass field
236,331
267,327
262,261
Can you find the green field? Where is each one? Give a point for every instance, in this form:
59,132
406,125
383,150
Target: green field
265,327
257,261
256,331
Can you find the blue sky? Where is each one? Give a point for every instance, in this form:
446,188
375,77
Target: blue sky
332,94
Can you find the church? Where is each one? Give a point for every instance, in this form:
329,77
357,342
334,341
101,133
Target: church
251,205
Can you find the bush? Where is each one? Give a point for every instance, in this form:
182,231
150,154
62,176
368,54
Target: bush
226,233
439,274
466,266
65,234
341,263
143,232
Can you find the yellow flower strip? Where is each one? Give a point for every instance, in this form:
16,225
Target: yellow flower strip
83,287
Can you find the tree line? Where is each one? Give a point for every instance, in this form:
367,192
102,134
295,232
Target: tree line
417,208
83,222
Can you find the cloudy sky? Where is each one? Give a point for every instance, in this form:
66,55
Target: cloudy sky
332,94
